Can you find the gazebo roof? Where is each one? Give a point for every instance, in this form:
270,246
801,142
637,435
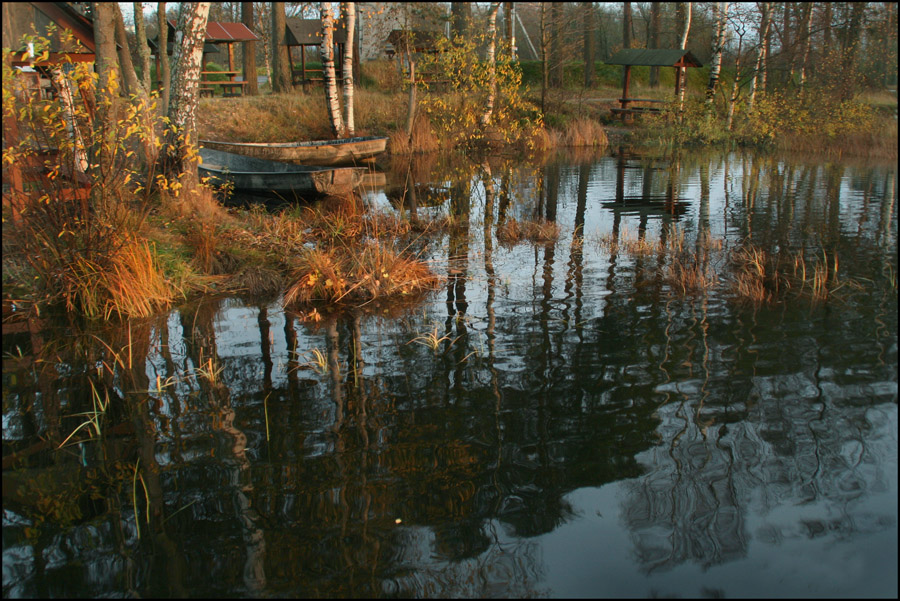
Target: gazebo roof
219,31
308,32
647,57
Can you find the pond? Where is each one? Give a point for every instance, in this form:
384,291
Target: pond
563,417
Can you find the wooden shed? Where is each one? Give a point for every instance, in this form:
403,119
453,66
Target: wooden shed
646,57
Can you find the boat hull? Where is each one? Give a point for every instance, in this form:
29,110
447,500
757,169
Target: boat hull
347,151
260,176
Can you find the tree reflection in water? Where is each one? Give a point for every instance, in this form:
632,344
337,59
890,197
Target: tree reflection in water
395,469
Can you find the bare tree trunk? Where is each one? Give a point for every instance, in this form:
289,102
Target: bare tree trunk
140,34
758,73
589,32
511,28
654,40
106,64
164,75
735,87
131,81
680,74
348,9
492,78
545,67
807,15
411,105
264,29
556,59
720,14
281,77
331,95
249,53
627,24
187,58
461,15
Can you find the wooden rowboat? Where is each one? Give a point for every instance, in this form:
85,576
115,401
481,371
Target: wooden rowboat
259,176
345,151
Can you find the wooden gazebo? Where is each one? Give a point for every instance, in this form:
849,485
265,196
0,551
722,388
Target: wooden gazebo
307,33
645,57
217,33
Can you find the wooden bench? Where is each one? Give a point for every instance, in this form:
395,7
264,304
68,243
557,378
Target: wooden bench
229,88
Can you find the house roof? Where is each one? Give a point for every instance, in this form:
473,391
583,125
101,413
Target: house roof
18,18
308,32
654,58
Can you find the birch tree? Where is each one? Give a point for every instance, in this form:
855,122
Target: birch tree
332,101
492,66
164,76
348,10
680,74
807,16
140,34
188,58
720,15
759,71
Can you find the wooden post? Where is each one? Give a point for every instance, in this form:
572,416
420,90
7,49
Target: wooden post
625,89
291,62
303,64
231,59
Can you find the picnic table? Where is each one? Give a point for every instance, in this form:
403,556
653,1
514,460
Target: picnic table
229,87
627,112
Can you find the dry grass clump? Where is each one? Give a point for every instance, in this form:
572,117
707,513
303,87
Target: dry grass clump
582,132
762,278
422,140
199,204
129,285
511,231
356,276
690,273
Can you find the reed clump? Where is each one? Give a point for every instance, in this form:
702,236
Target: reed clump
513,231
341,275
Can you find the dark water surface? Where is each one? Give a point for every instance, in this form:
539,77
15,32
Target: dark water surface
583,428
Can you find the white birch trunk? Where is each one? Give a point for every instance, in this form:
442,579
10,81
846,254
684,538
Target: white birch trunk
720,10
348,9
492,67
187,58
61,83
332,102
684,37
760,55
